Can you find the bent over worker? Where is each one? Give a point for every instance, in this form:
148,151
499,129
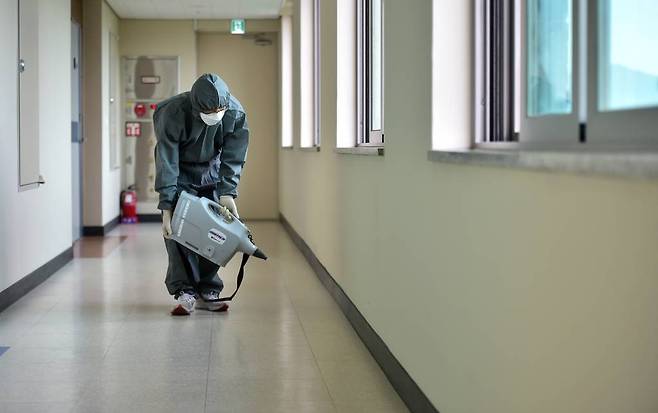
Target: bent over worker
202,140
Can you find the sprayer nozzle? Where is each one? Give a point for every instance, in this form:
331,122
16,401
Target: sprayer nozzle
259,254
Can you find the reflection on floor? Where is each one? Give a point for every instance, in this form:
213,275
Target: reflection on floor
97,336
96,247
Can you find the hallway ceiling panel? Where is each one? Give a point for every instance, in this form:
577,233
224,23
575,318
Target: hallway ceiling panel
196,9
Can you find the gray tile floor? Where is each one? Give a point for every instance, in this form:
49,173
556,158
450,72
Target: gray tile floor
97,337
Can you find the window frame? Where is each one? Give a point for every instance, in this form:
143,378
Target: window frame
497,25
309,80
286,82
552,129
494,72
585,126
366,136
316,73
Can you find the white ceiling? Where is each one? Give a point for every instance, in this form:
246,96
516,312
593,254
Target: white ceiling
196,9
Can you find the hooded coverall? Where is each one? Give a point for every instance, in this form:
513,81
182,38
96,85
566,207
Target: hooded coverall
190,154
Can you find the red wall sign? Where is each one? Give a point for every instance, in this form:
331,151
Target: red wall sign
133,129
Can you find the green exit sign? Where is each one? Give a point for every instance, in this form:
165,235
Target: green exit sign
238,26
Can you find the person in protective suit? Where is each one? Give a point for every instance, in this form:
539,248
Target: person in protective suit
202,139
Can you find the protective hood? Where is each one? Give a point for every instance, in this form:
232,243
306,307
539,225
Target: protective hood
209,92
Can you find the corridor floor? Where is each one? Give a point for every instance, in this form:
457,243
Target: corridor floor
97,336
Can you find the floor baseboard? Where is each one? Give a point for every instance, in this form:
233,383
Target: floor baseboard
149,218
402,382
97,231
26,284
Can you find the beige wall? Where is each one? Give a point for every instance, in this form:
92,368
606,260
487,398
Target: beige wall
177,38
101,182
498,290
162,38
252,75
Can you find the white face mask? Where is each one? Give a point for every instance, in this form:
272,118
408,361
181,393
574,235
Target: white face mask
211,119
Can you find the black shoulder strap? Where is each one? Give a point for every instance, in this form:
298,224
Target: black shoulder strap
245,258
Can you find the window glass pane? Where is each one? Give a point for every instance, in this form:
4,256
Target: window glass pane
549,74
517,66
376,65
286,81
307,75
628,57
316,72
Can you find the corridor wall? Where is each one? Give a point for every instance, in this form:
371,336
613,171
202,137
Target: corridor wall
499,290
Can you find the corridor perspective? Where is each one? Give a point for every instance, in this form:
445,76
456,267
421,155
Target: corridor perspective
96,337
348,206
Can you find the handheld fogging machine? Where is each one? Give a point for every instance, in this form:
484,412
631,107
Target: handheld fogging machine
210,230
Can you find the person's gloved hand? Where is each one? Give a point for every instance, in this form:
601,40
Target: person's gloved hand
228,202
166,223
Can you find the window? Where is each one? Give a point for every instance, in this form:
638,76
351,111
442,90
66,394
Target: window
623,72
316,72
346,69
549,74
562,72
285,57
310,73
495,83
370,73
628,64
452,76
527,68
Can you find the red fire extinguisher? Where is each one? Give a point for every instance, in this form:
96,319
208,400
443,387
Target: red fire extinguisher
129,207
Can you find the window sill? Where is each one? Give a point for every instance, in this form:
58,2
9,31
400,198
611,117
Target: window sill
362,150
288,148
643,165
310,149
